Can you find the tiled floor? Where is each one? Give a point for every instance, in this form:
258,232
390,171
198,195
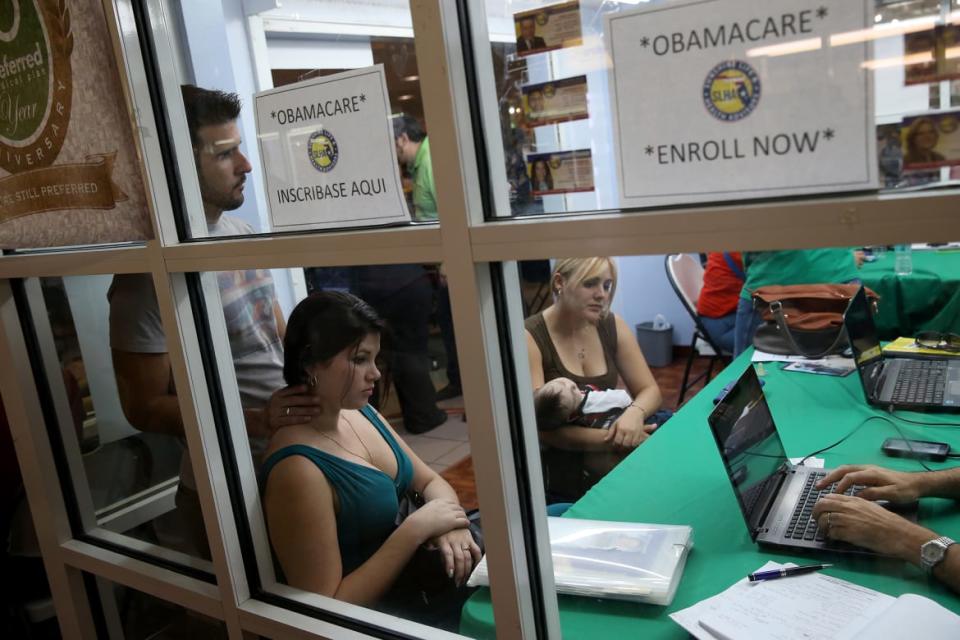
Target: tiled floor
445,445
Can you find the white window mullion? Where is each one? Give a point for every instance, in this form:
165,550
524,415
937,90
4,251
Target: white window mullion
440,58
186,362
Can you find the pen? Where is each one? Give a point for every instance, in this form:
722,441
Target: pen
786,571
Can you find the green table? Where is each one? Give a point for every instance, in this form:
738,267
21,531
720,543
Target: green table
677,477
927,299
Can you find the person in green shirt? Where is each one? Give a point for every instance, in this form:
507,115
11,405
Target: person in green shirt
413,149
804,266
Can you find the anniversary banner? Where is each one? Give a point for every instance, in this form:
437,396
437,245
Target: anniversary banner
328,152
69,172
731,99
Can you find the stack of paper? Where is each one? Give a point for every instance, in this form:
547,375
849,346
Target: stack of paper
814,606
619,560
835,360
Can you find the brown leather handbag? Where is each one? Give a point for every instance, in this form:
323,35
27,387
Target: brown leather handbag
804,319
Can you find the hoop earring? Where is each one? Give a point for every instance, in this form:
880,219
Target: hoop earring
312,382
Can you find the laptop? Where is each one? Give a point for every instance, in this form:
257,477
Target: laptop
930,384
775,496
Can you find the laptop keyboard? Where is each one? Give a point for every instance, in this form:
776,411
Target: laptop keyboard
921,382
802,525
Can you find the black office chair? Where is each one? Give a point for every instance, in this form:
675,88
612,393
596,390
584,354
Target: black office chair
686,277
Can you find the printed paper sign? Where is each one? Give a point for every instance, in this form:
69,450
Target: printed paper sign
548,28
328,152
562,172
552,102
931,141
723,99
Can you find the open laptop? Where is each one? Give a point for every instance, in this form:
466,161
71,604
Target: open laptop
775,496
930,384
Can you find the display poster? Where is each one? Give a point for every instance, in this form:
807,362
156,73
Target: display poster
890,161
931,55
920,57
553,102
69,170
560,172
328,153
547,28
931,140
723,99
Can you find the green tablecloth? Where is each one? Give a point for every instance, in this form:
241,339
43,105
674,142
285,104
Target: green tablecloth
927,299
677,477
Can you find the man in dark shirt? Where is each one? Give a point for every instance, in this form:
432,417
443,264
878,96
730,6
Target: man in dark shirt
528,40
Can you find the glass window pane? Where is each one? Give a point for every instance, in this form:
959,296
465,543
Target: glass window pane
130,614
365,477
623,425
303,162
118,417
568,146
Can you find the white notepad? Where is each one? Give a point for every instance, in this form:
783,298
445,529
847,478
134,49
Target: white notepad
815,606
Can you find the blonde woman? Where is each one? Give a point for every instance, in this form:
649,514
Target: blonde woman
579,338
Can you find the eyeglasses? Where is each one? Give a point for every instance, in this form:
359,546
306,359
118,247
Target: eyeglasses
937,340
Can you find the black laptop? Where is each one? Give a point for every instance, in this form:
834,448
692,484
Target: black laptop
775,496
930,384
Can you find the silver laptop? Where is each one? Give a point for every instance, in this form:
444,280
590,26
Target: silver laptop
928,384
775,496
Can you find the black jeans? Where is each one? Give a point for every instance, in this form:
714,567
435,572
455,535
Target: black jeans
406,311
445,320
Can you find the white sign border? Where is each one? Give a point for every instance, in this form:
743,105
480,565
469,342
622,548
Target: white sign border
871,183
334,224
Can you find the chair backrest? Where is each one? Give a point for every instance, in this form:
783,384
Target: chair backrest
686,277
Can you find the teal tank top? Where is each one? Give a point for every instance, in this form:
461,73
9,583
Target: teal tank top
369,498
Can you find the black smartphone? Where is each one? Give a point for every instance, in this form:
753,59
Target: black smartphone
919,449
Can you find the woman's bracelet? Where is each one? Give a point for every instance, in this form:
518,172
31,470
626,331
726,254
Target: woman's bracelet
636,406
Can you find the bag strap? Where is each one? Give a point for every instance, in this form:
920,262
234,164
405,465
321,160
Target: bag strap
737,271
777,310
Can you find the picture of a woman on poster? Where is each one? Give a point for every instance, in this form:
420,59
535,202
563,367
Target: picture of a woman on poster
542,178
921,139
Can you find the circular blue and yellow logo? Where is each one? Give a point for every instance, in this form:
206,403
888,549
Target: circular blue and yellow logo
731,91
323,150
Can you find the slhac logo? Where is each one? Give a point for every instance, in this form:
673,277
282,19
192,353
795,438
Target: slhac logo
36,88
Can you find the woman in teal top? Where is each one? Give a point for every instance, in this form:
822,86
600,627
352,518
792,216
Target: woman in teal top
332,486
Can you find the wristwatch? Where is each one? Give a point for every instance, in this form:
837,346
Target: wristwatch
932,553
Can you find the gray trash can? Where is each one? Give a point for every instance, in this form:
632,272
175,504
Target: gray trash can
656,342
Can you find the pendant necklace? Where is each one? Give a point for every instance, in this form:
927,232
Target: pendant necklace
368,458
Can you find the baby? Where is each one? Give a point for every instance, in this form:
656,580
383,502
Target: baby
560,402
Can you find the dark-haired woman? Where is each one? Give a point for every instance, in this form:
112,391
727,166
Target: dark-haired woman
333,486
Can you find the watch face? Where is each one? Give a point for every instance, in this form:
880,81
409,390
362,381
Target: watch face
932,551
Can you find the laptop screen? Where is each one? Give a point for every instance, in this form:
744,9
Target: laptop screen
748,442
862,332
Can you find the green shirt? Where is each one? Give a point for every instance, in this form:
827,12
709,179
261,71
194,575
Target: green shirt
808,266
424,193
